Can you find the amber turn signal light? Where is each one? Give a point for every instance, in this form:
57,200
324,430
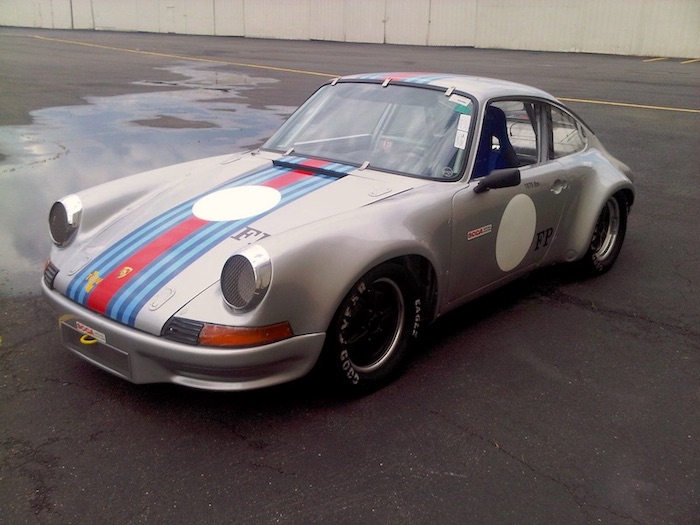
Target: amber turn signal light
243,336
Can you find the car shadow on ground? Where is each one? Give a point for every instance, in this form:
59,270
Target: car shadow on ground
312,391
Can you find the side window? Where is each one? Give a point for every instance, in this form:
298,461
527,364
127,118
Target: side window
521,125
567,135
509,137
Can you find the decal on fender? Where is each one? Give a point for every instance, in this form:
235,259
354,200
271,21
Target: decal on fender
543,238
484,230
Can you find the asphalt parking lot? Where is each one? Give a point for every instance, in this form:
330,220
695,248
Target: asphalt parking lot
550,401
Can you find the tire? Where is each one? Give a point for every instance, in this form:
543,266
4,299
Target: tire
371,332
607,239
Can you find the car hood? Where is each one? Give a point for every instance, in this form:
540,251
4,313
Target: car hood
144,263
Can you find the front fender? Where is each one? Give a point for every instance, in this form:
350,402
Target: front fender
314,266
314,269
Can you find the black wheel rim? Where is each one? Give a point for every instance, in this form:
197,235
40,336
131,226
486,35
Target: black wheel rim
606,232
372,325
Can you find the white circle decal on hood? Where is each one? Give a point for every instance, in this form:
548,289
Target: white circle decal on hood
233,204
516,231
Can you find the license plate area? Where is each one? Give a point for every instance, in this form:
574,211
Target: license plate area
96,350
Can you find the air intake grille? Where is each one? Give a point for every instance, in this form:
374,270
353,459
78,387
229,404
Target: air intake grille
183,330
50,273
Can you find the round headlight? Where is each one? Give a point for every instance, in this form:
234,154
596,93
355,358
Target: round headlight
64,219
246,277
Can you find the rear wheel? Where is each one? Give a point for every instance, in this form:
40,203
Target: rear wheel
371,331
608,236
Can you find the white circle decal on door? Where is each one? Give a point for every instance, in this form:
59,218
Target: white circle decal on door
516,231
233,204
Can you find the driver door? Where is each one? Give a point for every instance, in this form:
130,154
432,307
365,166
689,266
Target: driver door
504,232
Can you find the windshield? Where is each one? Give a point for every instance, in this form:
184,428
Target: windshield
411,130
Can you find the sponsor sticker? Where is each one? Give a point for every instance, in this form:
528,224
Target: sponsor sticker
462,131
91,332
464,102
484,230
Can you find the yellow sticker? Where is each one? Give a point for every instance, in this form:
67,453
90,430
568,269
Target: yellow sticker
93,280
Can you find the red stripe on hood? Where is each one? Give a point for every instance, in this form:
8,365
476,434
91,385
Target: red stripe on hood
287,179
104,291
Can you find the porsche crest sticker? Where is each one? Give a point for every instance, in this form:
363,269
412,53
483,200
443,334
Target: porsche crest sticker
124,272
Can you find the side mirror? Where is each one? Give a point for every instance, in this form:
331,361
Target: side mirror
504,178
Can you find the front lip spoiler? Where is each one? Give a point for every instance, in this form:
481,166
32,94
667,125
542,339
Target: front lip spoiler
140,357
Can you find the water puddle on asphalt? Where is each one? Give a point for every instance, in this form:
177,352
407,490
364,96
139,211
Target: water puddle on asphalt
70,148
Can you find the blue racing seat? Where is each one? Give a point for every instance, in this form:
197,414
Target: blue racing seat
488,157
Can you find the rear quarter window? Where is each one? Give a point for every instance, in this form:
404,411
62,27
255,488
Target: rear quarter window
567,134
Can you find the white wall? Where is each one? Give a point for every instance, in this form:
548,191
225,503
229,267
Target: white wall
626,27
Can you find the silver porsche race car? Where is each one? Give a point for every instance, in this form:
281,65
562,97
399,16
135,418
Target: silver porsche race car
383,202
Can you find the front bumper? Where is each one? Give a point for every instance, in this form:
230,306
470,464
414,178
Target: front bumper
140,357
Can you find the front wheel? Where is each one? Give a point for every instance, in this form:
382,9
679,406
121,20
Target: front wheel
369,336
608,236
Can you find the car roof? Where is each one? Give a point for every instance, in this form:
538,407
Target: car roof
482,88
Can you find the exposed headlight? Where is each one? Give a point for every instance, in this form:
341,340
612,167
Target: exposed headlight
64,219
246,277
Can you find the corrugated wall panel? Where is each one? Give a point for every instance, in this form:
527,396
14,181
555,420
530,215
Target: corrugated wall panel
229,17
364,21
670,28
514,24
37,13
407,22
453,23
628,27
82,14
327,20
608,27
62,15
127,15
194,17
284,19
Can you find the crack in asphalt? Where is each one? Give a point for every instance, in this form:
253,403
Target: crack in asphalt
12,349
579,500
564,298
19,456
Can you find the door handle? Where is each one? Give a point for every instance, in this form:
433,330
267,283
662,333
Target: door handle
558,186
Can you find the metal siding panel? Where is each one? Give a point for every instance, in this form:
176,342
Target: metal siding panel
326,20
364,21
61,14
187,17
609,27
543,25
126,15
21,14
407,22
670,28
196,17
229,18
82,14
453,23
627,27
282,19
